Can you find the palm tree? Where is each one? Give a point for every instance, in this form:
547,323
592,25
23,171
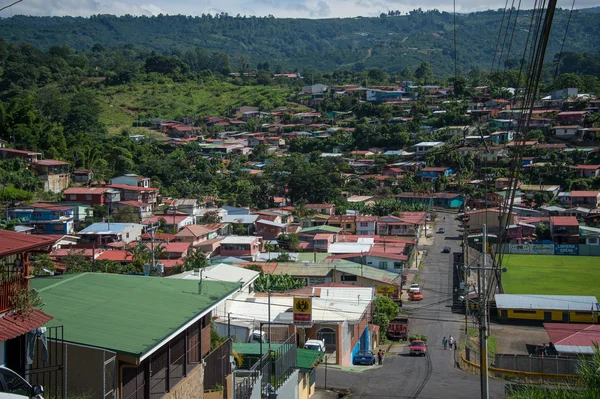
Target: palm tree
139,252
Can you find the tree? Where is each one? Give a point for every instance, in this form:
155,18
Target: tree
210,217
542,232
424,73
277,283
126,214
384,310
291,242
197,259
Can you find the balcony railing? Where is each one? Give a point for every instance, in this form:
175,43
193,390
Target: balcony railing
8,286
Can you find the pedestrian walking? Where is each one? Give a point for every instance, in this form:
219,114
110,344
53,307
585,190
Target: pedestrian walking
451,342
380,357
455,344
445,342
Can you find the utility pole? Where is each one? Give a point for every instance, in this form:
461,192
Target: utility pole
483,362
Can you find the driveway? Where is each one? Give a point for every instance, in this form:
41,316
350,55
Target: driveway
434,376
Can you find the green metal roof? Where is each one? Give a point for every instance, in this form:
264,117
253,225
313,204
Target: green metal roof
306,358
252,348
331,229
125,314
369,272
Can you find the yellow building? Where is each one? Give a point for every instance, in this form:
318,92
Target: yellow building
547,308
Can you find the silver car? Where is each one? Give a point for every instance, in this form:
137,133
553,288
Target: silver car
13,386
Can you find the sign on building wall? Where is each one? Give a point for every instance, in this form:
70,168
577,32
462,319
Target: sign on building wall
302,310
541,249
566,249
385,290
523,249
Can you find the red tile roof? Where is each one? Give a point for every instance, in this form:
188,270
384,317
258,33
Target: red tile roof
50,162
573,334
119,255
588,167
585,193
159,236
132,188
13,243
25,152
169,219
12,325
178,247
86,190
564,221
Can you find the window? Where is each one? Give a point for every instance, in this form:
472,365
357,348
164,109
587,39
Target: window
272,230
126,235
346,277
88,197
14,384
525,311
37,214
73,197
397,265
383,265
348,226
364,224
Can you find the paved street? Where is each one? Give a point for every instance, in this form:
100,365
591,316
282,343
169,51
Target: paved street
434,376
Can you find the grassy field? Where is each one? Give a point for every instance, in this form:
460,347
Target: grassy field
121,105
551,275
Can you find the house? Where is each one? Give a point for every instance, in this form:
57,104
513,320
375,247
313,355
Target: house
172,222
530,189
407,225
246,220
494,154
346,222
456,130
566,131
432,173
104,233
322,209
92,195
141,209
131,180
559,308
588,170
493,218
16,322
316,91
270,230
53,174
196,233
82,176
28,157
393,172
502,137
585,199
570,117
147,195
448,200
366,225
322,242
565,229
424,146
246,247
45,218
520,232
110,329
503,124
384,96
189,206
342,320
308,234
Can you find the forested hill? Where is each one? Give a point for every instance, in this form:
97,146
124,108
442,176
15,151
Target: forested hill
389,42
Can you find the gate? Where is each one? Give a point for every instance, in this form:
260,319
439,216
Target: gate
109,377
329,336
48,367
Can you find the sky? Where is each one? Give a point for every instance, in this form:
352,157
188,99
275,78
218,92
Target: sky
278,8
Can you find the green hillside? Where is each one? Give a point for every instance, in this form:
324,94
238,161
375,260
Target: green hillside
390,43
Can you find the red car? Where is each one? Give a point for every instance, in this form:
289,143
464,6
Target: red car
418,348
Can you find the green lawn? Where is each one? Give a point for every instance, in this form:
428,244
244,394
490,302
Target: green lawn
551,275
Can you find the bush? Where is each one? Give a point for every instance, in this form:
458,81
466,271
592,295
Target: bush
417,337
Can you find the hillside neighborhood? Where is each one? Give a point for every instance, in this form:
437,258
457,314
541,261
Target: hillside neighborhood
220,294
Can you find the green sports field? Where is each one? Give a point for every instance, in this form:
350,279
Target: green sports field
551,275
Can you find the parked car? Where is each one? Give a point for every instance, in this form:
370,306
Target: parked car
441,230
415,296
13,386
365,357
258,336
446,250
315,345
418,348
414,287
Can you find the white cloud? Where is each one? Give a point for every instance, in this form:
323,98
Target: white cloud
278,8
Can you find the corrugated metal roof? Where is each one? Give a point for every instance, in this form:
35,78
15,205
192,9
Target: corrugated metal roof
127,314
573,338
551,302
12,325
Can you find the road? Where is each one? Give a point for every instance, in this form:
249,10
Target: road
434,376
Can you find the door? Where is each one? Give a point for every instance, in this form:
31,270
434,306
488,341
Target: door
547,316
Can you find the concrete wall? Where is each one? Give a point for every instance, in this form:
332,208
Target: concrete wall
289,389
190,387
56,183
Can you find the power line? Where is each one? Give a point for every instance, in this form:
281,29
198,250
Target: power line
10,5
455,69
563,41
498,39
512,7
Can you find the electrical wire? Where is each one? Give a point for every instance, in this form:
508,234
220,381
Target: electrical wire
498,39
512,35
10,5
563,42
512,7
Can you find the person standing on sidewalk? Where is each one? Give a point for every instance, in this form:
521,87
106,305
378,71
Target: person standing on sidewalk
445,342
451,342
455,344
380,357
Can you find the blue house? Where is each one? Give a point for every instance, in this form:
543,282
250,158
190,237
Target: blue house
448,200
431,173
502,137
45,218
502,124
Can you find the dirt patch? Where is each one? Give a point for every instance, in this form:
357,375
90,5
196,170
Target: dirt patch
512,338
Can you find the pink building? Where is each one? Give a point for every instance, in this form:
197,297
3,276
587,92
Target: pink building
321,242
241,246
322,209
